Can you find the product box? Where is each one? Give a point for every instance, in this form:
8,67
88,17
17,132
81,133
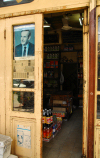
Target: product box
52,64
56,64
5,146
47,64
12,156
59,109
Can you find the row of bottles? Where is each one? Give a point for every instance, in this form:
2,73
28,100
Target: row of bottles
50,126
47,117
49,74
51,64
51,48
52,56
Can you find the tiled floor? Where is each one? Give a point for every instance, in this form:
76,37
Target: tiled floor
68,142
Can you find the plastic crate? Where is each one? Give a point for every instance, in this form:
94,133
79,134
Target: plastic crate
5,146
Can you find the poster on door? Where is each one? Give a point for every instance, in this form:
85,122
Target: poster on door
24,136
24,42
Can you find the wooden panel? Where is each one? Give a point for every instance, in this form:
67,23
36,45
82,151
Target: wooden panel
38,6
2,77
25,144
97,143
92,39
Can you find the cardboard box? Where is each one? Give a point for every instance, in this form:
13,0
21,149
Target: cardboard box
59,109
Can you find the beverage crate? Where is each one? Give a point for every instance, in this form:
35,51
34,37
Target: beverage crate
47,140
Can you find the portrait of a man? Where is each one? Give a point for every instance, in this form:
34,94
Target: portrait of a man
24,42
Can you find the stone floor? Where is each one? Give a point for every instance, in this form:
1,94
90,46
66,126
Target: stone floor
68,142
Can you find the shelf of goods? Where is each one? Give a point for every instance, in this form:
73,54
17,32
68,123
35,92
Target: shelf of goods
80,78
51,68
62,100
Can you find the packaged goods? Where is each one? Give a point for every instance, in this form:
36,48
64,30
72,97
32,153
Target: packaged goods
5,146
52,64
56,64
51,124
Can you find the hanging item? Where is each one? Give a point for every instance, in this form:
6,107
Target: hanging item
61,78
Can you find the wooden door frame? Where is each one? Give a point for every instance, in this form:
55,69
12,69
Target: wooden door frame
91,101
85,78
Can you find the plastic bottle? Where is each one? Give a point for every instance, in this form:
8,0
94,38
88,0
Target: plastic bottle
51,116
44,131
54,130
48,122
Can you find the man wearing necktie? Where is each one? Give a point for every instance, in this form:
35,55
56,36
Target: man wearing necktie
26,48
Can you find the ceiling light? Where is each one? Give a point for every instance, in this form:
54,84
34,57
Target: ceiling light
46,25
81,19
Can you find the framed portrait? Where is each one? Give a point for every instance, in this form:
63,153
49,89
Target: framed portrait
5,3
24,42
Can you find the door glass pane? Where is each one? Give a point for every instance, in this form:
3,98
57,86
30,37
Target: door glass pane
23,101
23,56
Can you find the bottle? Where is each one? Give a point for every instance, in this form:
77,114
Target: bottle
48,133
44,131
78,75
54,130
51,117
44,118
48,121
81,75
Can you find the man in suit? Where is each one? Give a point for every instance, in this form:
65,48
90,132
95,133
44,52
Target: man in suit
25,48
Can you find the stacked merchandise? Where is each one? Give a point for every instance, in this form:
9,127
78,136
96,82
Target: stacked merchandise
47,125
51,125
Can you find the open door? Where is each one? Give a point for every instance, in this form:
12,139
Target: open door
23,80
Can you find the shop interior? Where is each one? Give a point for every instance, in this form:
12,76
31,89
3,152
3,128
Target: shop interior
63,84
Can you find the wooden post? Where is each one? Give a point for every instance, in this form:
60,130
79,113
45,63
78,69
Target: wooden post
92,46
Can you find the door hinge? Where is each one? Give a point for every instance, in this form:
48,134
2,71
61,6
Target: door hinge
4,34
83,156
85,28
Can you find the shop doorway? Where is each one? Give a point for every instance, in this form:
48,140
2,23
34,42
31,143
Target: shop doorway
63,84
